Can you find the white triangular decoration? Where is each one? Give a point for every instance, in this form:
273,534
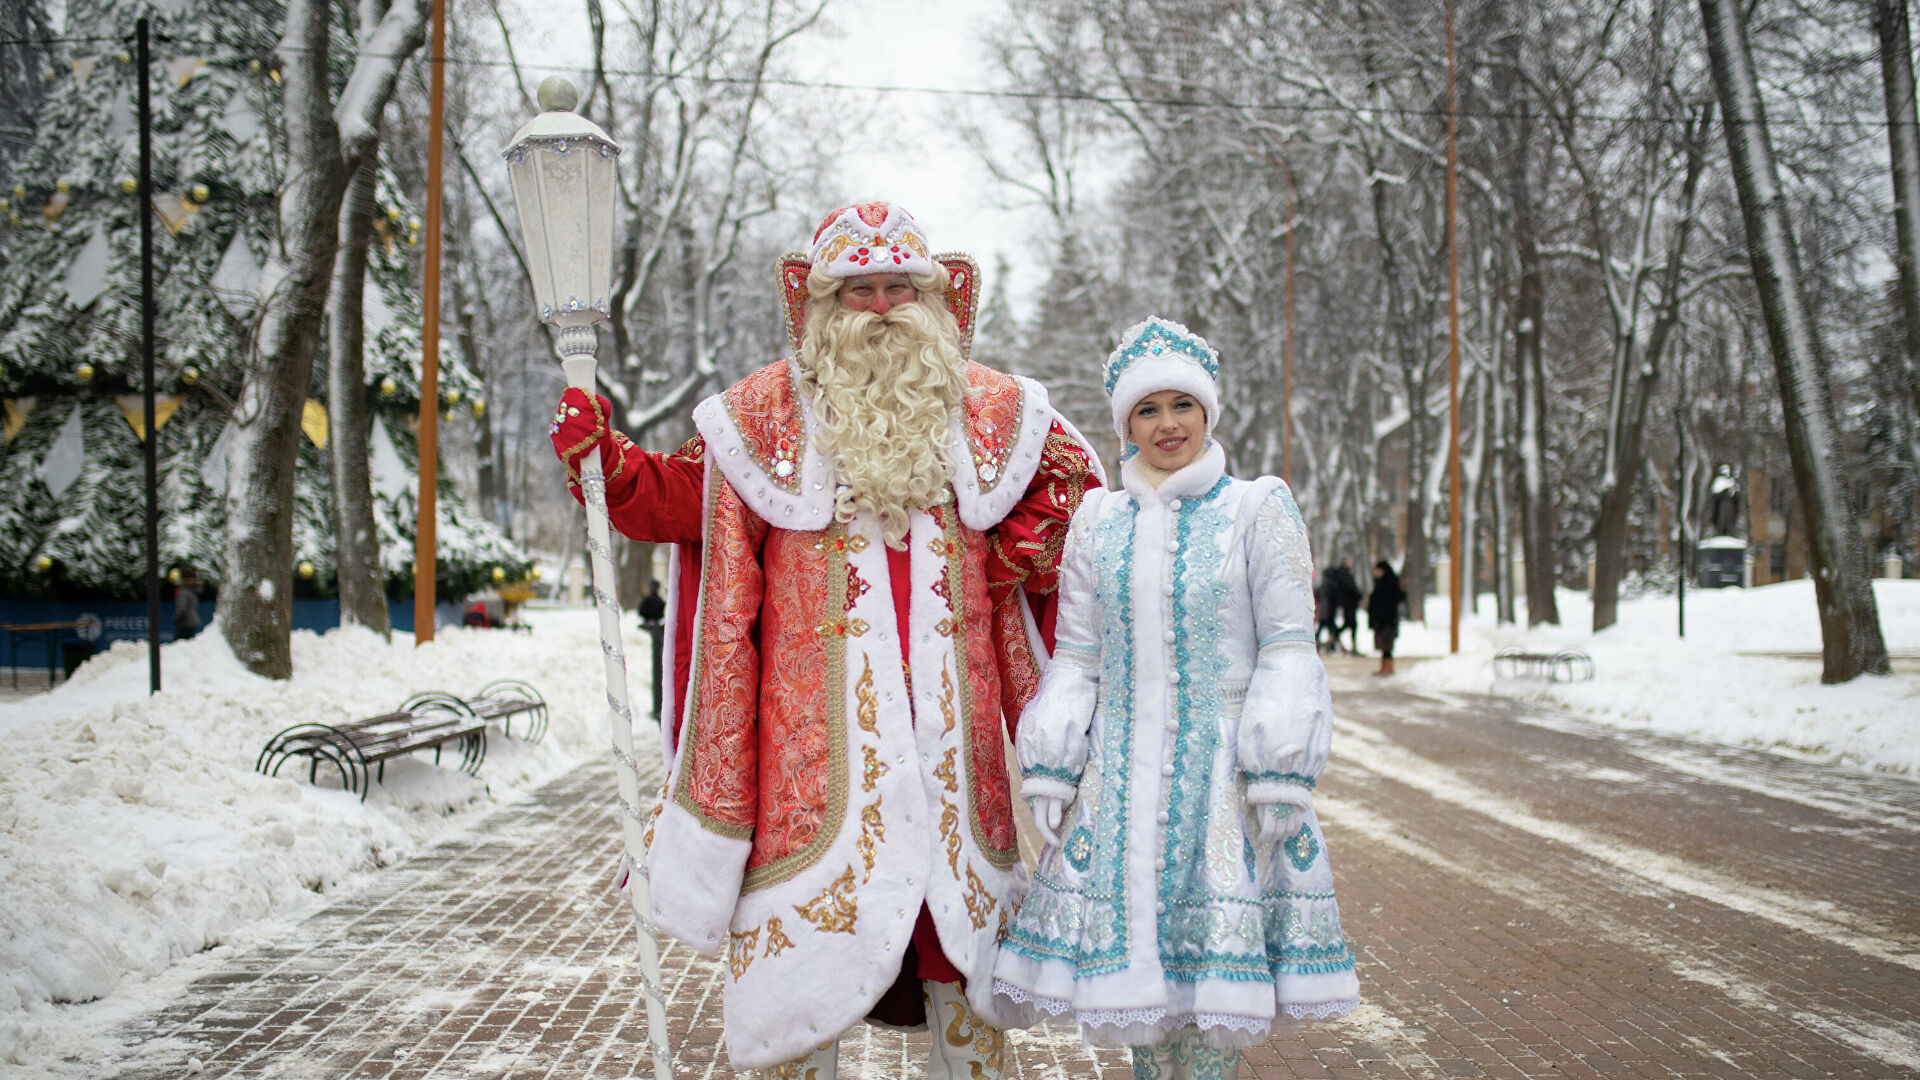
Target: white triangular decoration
83,69
236,281
390,475
120,125
182,69
239,119
215,472
87,274
375,312
61,467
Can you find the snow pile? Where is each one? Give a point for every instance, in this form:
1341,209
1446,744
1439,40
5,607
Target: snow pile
134,831
1709,685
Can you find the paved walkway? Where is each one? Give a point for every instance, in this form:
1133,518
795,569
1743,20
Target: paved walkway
1527,900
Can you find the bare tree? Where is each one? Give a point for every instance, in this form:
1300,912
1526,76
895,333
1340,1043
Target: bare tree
1903,147
1849,615
326,142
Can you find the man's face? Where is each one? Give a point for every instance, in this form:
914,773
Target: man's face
878,293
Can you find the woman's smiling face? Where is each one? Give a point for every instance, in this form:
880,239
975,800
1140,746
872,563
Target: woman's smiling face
1169,427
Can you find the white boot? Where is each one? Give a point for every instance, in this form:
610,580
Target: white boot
965,1046
822,1064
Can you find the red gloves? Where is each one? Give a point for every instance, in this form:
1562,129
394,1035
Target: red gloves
579,425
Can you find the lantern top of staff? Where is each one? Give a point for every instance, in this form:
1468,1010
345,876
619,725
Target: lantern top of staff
559,124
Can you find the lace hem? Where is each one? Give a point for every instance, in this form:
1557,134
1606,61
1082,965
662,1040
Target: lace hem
1141,1026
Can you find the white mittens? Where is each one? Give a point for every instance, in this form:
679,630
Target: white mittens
1048,812
1283,816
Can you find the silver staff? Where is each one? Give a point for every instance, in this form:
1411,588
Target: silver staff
562,168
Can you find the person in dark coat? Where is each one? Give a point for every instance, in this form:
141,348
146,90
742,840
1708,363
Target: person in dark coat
653,614
1326,607
1383,612
186,604
1347,596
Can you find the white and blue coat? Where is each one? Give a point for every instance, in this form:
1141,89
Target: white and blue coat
1184,676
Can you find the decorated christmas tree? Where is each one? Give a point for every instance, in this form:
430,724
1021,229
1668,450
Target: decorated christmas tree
71,488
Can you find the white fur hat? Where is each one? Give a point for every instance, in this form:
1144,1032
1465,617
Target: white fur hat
871,238
1157,355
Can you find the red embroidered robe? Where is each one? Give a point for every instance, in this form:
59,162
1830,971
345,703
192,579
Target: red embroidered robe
836,738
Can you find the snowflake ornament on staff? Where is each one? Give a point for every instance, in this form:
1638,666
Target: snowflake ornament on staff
562,169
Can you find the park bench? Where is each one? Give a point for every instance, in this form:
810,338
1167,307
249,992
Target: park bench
434,720
504,699
1566,665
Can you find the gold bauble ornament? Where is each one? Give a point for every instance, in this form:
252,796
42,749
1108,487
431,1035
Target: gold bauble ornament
173,576
62,186
125,58
533,574
129,185
83,372
306,569
42,564
388,388
189,374
453,397
499,574
200,193
479,408
393,213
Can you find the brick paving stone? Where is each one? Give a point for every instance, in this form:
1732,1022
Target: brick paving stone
1526,900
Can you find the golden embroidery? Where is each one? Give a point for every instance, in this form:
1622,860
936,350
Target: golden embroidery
872,831
835,909
740,951
841,628
946,698
979,901
869,711
999,935
948,770
778,941
988,1043
948,627
950,828
874,768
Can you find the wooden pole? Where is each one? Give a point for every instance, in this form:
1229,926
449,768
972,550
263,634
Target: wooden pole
1453,353
423,545
1286,414
151,450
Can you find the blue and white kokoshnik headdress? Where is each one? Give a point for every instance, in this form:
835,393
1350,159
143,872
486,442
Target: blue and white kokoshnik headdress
1157,355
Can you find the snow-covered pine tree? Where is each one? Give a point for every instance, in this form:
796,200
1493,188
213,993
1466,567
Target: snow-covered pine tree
70,320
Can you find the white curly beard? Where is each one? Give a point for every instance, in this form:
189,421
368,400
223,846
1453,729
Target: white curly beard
885,389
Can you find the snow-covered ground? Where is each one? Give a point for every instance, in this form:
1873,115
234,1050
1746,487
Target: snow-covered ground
135,833
1708,685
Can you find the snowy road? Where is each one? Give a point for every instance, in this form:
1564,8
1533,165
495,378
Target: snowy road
1527,900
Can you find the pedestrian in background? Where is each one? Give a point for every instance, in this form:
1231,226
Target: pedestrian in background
653,614
1326,606
1347,595
1383,612
186,604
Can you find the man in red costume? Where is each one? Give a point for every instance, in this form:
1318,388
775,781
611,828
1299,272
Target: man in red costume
867,535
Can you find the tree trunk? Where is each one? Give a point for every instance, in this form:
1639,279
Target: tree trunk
255,608
1538,537
1849,615
1616,499
1903,145
363,599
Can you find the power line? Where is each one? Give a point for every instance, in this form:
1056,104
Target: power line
1087,97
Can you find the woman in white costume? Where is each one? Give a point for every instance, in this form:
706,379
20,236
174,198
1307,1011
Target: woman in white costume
1183,904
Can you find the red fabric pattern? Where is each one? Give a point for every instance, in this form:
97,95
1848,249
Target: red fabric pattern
986,750
795,753
764,409
1024,555
720,777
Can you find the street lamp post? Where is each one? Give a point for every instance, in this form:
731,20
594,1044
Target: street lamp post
562,168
